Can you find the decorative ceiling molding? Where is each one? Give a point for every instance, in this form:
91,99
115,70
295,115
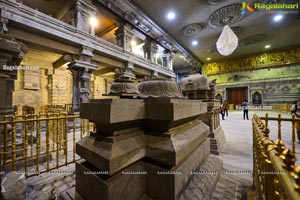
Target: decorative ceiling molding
192,29
140,20
252,39
225,16
213,2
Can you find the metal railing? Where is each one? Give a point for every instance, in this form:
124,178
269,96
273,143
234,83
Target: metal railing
35,144
274,170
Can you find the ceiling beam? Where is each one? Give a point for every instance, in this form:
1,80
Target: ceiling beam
104,71
42,41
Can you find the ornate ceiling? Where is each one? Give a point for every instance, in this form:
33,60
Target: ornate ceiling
202,20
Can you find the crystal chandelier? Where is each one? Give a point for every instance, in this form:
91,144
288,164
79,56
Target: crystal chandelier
227,41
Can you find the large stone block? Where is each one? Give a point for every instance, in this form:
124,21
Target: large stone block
109,111
170,184
112,154
91,185
174,109
174,146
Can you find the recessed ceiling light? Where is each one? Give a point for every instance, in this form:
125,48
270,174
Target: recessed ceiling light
94,21
171,15
194,42
208,58
267,46
277,18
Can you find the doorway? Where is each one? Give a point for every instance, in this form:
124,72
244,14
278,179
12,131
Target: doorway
236,96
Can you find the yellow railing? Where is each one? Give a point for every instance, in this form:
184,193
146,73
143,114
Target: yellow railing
282,108
274,171
33,144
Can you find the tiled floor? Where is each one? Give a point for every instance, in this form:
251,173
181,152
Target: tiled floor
237,152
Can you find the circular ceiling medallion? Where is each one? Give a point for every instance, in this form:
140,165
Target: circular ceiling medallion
215,1
252,39
225,16
192,29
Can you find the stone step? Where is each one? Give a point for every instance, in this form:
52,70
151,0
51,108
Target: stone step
231,187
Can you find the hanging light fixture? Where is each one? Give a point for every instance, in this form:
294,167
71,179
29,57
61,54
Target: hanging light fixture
227,41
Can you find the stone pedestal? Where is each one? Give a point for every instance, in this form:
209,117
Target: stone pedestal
141,147
200,87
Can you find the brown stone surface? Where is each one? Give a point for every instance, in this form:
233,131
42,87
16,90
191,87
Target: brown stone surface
174,109
108,111
174,184
112,156
173,147
119,186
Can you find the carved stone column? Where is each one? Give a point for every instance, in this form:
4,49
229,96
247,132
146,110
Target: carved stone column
150,50
11,54
81,16
167,59
81,68
124,36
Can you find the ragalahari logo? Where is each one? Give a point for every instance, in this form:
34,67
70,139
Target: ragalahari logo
246,8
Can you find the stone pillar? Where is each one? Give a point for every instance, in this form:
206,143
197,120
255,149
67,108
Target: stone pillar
167,59
150,50
81,69
82,13
124,36
11,54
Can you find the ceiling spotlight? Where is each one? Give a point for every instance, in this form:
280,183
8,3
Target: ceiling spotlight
208,58
277,18
93,21
194,42
171,15
267,46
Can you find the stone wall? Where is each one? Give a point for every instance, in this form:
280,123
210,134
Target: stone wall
51,86
275,84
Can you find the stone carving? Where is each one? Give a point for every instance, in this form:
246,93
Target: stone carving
195,82
134,16
225,16
237,78
123,87
31,79
158,88
192,29
264,60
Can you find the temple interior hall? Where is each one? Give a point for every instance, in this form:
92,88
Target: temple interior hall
149,99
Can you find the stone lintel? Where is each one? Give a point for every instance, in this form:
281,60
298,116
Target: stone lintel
109,111
79,64
112,156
